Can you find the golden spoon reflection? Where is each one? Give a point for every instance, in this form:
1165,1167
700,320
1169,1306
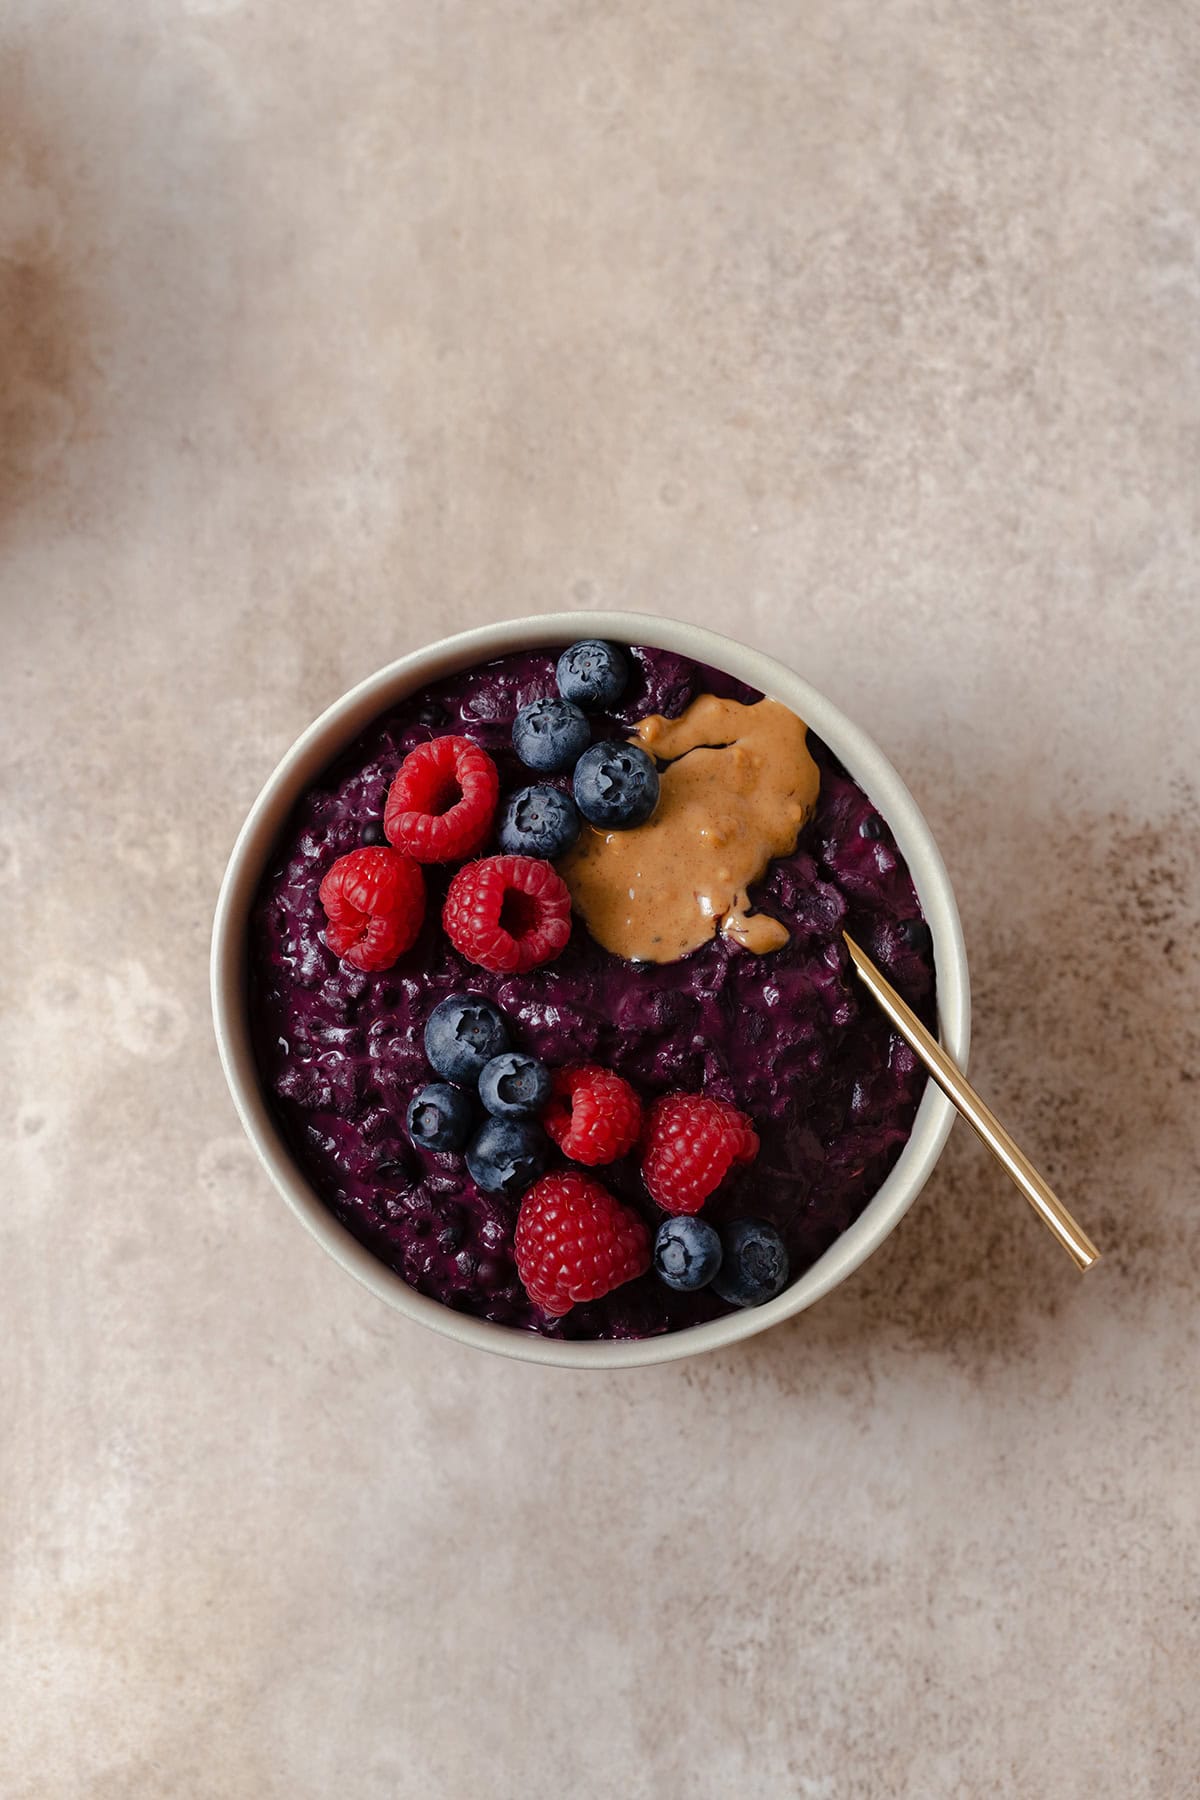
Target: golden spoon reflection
955,1085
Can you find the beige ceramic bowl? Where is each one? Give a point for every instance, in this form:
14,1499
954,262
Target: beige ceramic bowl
337,727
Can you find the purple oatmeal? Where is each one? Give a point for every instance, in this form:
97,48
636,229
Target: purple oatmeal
782,1036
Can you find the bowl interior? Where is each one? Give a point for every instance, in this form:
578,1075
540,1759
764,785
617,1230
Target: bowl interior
339,725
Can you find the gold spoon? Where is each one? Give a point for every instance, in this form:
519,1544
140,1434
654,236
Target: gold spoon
953,1082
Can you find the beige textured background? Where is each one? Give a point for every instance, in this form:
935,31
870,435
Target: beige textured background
870,330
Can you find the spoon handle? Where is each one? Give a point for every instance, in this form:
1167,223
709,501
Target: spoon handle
954,1083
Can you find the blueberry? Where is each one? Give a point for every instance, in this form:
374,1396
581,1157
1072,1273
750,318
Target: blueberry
440,1117
871,827
755,1264
593,673
550,735
538,821
372,832
616,785
462,1033
917,935
506,1155
514,1086
687,1253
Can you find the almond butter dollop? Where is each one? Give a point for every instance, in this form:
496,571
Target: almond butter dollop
739,786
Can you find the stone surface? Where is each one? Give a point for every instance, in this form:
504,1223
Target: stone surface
870,333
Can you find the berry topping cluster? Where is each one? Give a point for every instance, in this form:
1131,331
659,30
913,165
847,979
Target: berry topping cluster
575,1241
746,1267
614,785
503,1111
507,913
467,1043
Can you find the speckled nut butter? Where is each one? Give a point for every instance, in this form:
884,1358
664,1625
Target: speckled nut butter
739,787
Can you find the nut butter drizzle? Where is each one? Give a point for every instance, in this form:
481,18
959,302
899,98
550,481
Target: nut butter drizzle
739,786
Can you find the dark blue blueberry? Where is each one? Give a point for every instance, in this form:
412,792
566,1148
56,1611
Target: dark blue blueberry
593,673
462,1034
871,826
514,1086
538,821
754,1267
550,735
440,1117
616,786
433,713
506,1155
917,935
687,1253
372,832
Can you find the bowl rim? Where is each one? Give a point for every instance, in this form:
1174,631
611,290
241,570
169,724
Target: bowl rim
336,728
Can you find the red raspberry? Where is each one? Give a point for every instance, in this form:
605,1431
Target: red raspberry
689,1145
442,802
508,913
592,1115
374,900
574,1242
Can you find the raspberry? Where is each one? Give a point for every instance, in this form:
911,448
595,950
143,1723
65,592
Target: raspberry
574,1242
689,1145
592,1115
374,900
443,799
508,913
